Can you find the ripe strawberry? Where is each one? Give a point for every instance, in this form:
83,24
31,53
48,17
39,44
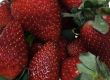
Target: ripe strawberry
72,3
76,47
5,13
13,51
69,69
44,65
62,44
41,17
96,42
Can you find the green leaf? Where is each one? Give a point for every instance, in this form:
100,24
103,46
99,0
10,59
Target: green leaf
88,60
103,69
93,2
86,77
75,10
100,25
67,15
24,75
101,2
88,4
79,19
88,14
98,3
83,69
105,10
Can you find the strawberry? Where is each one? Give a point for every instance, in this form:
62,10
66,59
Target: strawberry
72,3
62,44
41,17
76,47
69,69
92,39
36,47
5,13
96,42
44,65
13,51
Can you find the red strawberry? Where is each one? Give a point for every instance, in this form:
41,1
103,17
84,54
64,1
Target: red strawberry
93,40
41,17
69,69
76,47
36,47
62,44
5,13
72,3
44,65
96,42
13,51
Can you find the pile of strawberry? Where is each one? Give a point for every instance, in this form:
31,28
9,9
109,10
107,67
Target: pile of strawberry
54,39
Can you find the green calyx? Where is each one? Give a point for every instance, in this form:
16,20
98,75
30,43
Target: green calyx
91,68
95,3
100,25
105,10
24,75
99,77
91,10
80,16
